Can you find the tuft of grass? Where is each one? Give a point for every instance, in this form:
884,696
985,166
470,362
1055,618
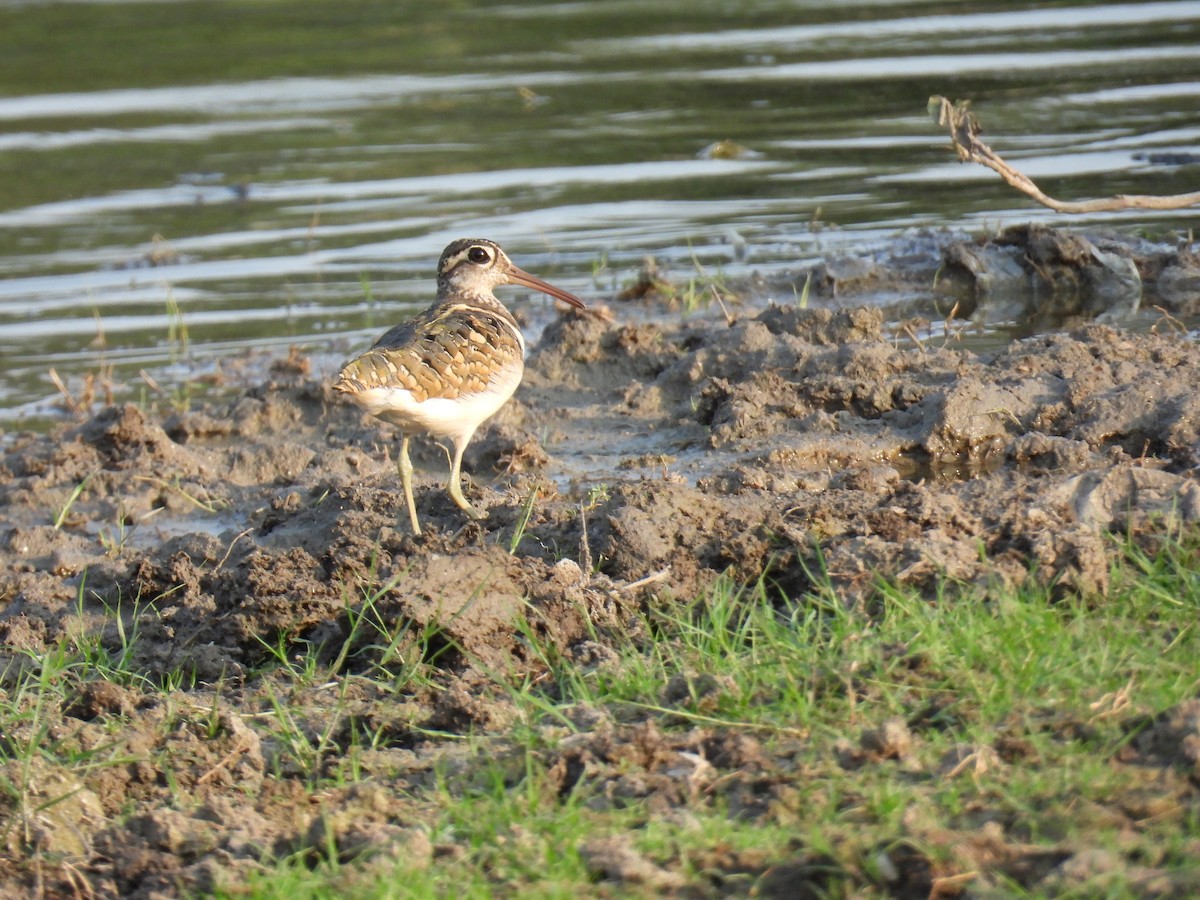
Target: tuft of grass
113,538
60,517
523,521
802,296
700,290
368,292
177,330
600,269
42,763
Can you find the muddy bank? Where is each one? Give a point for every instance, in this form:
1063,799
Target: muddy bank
762,444
637,464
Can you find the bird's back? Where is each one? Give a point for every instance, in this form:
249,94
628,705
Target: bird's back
442,372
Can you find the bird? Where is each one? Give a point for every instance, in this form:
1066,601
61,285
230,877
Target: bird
448,369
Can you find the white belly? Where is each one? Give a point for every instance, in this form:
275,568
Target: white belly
440,417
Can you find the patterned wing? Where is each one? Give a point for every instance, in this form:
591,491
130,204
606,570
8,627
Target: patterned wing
445,352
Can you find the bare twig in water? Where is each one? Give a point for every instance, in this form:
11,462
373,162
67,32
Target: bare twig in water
150,382
964,132
68,401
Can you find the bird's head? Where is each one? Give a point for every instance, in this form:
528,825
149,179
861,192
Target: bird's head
474,266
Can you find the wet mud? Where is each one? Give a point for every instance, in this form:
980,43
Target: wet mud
640,461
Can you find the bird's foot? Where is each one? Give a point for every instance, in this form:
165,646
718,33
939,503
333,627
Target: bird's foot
460,501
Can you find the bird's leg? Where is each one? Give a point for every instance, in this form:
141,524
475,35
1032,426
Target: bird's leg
406,470
455,486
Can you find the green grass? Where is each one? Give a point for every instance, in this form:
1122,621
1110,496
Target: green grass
177,330
60,518
1016,707
971,668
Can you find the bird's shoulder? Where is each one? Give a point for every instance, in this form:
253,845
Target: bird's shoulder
448,324
445,351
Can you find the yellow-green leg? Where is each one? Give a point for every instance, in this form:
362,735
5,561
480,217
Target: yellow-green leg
455,486
406,470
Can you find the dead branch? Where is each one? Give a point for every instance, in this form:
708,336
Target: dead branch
964,132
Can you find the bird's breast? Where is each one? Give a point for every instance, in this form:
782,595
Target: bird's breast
442,416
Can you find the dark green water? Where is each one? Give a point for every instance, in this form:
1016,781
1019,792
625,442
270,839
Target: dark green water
299,166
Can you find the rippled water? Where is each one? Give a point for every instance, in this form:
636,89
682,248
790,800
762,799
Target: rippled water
254,175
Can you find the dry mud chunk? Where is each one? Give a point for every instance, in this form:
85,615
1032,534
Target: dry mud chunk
19,632
581,351
671,772
52,810
1038,272
124,435
1125,496
279,462
475,597
211,620
458,710
1179,287
1097,871
867,378
1170,739
35,546
615,859
101,698
701,692
824,326
189,424
891,740
728,355
761,406
270,409
341,526
208,757
1042,453
506,448
1073,559
358,827
654,525
173,832
271,592
1141,415
974,417
244,830
1134,391
1182,438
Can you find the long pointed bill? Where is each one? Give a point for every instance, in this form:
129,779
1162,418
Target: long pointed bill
521,277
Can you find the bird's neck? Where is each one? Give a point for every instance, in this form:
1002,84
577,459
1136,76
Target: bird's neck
478,299
478,303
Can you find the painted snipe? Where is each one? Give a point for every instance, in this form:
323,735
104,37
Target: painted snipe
446,370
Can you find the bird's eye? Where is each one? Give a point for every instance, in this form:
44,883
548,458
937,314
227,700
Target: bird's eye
479,255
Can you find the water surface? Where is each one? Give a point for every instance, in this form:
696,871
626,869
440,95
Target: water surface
183,181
